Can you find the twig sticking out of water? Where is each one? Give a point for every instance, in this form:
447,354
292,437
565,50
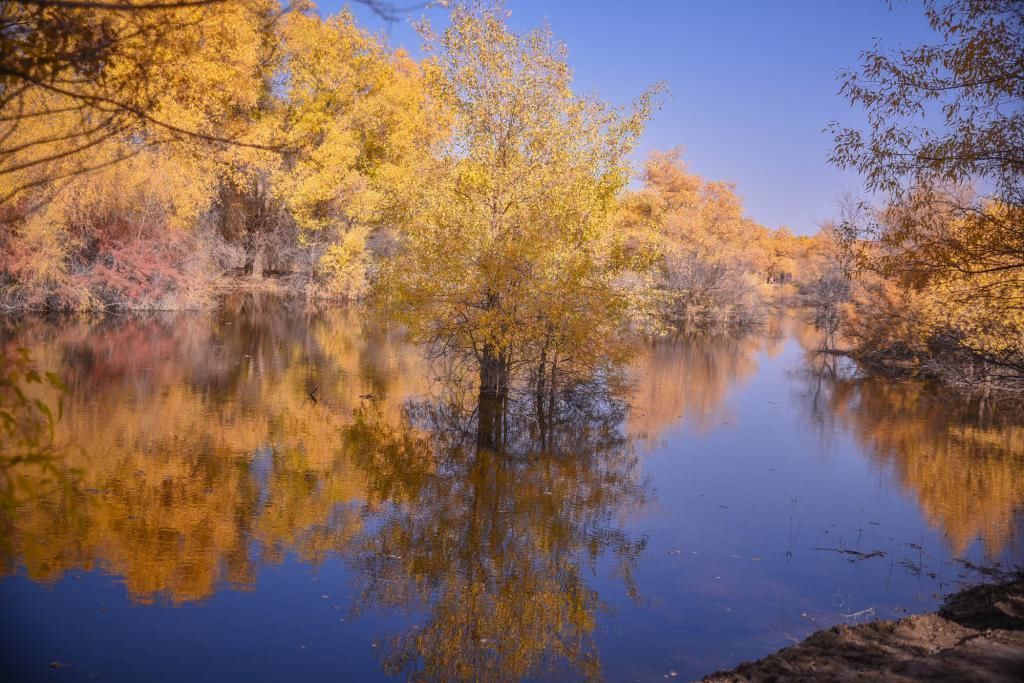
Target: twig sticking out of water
856,553
869,612
993,570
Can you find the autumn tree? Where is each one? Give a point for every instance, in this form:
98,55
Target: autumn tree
710,258
106,71
287,138
824,287
507,254
103,65
104,198
943,148
354,118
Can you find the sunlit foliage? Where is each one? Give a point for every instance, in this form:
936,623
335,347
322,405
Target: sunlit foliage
946,253
354,119
78,79
711,261
122,236
507,255
108,168
249,136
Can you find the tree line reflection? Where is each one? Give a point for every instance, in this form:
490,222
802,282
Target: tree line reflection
205,446
962,460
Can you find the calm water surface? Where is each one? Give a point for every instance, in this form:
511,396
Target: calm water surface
265,493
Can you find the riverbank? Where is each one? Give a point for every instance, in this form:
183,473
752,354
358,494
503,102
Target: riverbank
977,635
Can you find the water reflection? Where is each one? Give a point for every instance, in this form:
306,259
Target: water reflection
208,446
199,450
493,548
211,445
962,460
966,471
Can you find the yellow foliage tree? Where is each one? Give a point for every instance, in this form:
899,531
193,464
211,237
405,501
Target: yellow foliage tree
508,255
354,118
710,257
943,146
107,168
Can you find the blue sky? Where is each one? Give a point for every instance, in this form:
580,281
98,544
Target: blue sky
752,83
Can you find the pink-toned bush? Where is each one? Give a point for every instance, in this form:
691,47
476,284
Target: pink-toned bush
133,237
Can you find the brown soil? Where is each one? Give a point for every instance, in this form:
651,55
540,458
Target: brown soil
978,635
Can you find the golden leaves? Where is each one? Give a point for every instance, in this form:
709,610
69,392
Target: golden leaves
508,247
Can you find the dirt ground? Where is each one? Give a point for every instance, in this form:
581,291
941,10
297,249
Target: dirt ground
977,635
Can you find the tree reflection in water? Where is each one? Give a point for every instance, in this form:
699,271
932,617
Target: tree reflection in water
200,456
492,545
197,453
962,460
203,454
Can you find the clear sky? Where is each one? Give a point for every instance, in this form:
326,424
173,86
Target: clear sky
752,83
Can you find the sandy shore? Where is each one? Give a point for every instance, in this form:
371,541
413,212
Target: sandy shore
977,635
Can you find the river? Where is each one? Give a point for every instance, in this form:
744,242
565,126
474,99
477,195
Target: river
270,492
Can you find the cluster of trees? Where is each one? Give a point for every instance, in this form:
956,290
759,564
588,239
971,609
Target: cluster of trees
525,262
711,264
939,263
149,148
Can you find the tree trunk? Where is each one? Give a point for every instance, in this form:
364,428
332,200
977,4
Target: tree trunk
493,398
258,262
493,373
552,388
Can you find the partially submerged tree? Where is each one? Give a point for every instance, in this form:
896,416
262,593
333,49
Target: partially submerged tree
824,288
507,252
